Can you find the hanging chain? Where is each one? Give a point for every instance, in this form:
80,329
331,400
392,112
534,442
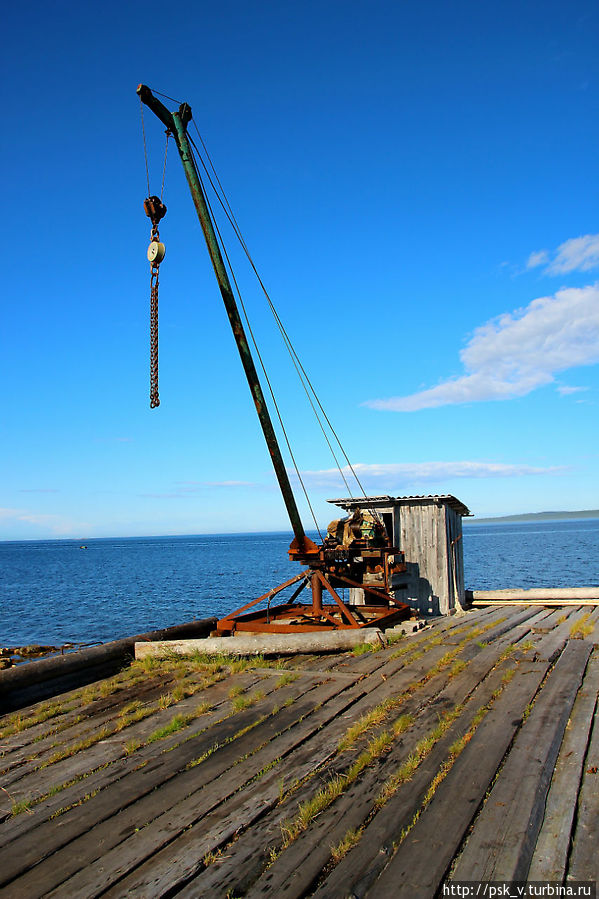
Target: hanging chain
155,210
154,398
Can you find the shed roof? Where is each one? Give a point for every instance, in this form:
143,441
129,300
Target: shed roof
378,502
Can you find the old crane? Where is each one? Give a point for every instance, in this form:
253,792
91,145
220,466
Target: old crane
358,551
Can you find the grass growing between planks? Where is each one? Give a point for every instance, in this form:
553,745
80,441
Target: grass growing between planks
21,721
454,752
413,762
179,721
363,648
351,839
174,725
129,715
73,701
381,743
136,711
415,759
244,702
184,682
369,720
582,628
212,857
177,724
218,745
406,771
178,670
308,810
18,807
415,649
288,678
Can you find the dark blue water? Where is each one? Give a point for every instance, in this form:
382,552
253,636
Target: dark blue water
54,592
527,554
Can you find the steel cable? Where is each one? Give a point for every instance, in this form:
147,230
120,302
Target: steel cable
259,355
302,374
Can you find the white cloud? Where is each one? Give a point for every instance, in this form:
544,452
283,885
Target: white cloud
566,391
578,254
54,524
538,258
393,476
517,352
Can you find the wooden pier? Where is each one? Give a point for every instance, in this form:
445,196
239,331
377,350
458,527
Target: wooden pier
466,751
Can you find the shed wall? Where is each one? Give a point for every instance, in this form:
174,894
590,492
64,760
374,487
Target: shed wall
430,536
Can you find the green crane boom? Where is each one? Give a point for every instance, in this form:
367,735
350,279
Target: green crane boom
176,123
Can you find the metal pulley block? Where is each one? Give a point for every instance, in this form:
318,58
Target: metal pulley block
154,209
156,252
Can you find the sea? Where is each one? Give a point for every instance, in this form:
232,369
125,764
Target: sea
54,592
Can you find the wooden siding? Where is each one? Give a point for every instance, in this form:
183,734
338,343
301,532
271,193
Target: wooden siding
430,536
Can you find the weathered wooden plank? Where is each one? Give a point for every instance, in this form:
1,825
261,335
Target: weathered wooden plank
366,664
232,805
502,842
355,699
381,686
148,791
584,857
170,863
550,855
554,617
42,675
299,866
593,622
75,708
425,855
250,852
216,695
551,645
357,872
568,593
119,768
32,782
216,828
258,644
204,806
38,751
297,869
505,623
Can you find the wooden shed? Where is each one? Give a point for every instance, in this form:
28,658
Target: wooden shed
429,531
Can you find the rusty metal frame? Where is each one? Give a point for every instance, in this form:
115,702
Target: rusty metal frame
314,617
268,596
344,609
386,597
256,622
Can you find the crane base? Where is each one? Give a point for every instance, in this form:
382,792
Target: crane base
297,618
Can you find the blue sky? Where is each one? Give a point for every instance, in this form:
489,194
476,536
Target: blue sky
417,183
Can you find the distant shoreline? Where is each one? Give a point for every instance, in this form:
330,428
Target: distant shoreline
503,519
537,516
